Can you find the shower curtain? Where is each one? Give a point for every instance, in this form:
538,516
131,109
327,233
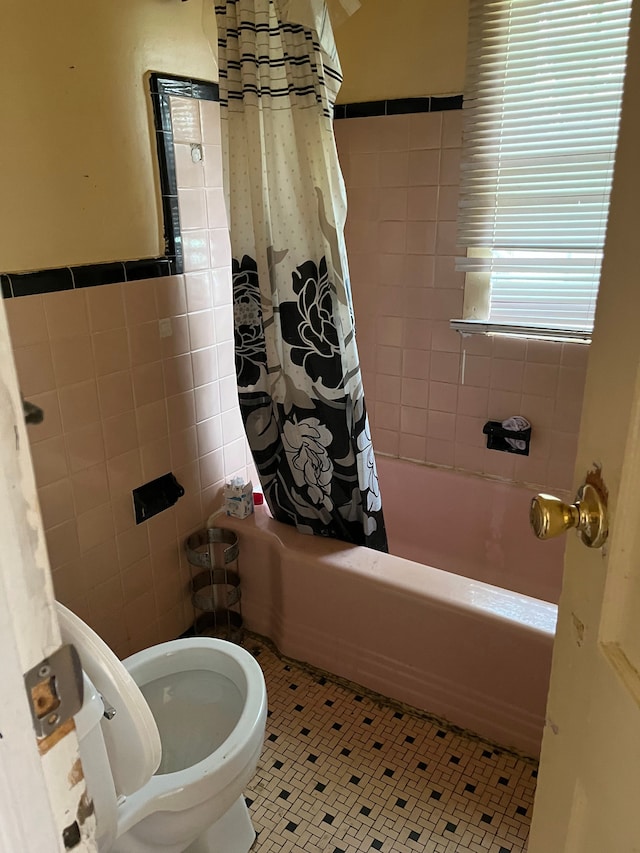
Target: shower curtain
299,381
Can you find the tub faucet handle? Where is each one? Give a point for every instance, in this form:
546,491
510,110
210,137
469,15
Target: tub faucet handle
549,516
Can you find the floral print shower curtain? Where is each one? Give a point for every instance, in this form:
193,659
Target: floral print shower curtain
299,381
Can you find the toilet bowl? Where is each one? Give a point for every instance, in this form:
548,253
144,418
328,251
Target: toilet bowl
169,738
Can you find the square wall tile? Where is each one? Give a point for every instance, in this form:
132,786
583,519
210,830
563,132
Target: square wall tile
207,400
213,175
178,375
386,416
210,122
221,288
219,247
56,502
393,169
413,421
156,459
209,435
110,351
205,365
223,323
66,314
124,473
90,488
184,447
62,543
79,405
177,342
213,468
34,366
201,329
27,321
85,447
72,360
133,546
216,210
199,290
185,119
144,343
450,166
181,411
140,302
148,383
193,208
196,250
189,164
413,447
235,458
170,296
137,579
425,130
152,421
95,527
115,392
120,434
106,307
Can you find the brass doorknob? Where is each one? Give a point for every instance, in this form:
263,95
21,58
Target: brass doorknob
549,516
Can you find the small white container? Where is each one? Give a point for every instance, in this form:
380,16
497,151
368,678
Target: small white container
238,498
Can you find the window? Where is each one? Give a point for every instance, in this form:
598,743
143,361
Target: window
542,106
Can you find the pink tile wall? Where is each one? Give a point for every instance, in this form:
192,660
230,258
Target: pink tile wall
429,391
136,379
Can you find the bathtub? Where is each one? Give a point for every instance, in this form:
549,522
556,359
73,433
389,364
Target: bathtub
470,525
458,647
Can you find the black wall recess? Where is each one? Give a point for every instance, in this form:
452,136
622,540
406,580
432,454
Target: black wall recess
155,496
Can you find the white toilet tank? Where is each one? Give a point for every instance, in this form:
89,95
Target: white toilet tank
95,765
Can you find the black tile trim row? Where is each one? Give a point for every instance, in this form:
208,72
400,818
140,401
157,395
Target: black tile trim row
398,106
90,275
162,86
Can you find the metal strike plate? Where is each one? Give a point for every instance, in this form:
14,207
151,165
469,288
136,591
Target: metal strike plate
55,689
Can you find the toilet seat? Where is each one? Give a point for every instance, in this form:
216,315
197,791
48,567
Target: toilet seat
131,737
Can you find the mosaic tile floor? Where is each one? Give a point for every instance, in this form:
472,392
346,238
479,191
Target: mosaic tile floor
344,773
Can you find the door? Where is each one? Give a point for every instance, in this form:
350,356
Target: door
43,800
588,798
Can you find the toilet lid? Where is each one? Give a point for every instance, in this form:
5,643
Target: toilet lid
131,737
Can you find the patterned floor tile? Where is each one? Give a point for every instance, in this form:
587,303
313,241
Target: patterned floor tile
349,772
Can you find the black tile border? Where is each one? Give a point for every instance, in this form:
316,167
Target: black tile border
398,106
42,281
162,87
97,274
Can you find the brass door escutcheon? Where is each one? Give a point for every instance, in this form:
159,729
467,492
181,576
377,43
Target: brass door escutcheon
549,516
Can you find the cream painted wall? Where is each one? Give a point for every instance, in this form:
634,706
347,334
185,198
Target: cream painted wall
77,169
77,165
411,48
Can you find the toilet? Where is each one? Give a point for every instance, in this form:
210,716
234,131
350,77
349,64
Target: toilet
169,739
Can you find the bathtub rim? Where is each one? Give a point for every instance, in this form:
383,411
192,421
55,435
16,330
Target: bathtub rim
448,589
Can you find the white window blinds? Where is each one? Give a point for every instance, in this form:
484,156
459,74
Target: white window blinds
542,105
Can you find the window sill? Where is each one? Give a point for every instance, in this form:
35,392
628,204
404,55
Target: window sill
485,327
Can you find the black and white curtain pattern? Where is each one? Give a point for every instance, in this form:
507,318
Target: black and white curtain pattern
299,381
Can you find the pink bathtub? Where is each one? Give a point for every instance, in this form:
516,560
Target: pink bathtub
453,645
469,525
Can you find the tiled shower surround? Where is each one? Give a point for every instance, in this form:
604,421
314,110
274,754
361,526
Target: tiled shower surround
429,391
137,379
